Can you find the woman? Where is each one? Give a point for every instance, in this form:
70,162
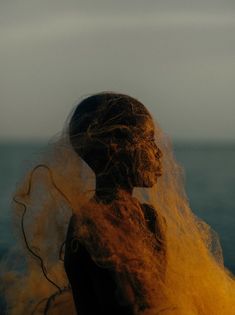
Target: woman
114,134
132,247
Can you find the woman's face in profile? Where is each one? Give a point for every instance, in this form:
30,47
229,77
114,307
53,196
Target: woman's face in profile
147,159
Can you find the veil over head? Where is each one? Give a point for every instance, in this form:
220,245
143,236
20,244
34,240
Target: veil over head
195,280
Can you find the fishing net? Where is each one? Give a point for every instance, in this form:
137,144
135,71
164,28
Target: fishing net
175,267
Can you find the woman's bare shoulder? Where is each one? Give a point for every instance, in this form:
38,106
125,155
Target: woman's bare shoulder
82,212
81,219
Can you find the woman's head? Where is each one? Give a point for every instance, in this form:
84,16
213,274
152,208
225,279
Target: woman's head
114,134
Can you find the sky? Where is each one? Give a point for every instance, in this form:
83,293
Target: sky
176,56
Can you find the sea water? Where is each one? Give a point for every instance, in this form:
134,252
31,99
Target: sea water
209,180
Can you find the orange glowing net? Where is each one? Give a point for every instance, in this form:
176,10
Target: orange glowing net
185,277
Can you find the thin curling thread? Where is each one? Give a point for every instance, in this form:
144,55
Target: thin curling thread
23,215
29,248
49,299
52,298
38,304
52,180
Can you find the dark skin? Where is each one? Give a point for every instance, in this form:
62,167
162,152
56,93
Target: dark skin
99,290
94,288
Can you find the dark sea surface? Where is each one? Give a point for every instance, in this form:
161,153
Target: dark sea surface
209,179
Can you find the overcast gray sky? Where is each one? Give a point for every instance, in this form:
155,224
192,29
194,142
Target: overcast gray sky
177,57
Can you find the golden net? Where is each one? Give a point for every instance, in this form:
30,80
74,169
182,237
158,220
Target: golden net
175,269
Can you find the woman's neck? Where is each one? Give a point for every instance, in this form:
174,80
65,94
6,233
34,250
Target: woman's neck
107,189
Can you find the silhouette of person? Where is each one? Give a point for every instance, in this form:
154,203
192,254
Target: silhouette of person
114,134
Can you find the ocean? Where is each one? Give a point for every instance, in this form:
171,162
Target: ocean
209,181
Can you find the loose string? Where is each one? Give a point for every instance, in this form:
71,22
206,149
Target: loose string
33,253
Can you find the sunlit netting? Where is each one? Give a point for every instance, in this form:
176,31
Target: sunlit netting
187,279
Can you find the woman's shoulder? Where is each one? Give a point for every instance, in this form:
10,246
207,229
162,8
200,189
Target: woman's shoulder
83,220
83,212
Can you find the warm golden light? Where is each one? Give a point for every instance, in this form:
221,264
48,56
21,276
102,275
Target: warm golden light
173,268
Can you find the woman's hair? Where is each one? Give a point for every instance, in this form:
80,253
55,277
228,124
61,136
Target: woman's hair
102,121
